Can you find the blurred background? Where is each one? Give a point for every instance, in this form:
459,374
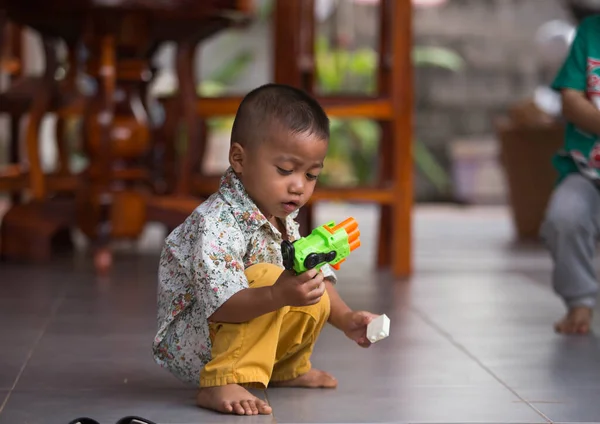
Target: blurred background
484,122
115,118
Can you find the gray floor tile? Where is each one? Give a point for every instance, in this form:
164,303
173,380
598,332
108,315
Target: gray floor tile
477,309
409,362
20,277
494,289
384,404
107,406
25,315
3,398
94,361
544,362
97,342
11,361
98,325
22,324
566,404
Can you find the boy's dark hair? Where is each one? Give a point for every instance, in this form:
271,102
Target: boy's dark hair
280,104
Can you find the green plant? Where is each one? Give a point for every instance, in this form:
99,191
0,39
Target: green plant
218,81
355,142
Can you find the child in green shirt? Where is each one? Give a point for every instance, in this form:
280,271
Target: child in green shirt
572,224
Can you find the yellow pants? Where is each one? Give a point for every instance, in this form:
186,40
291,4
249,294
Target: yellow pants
272,347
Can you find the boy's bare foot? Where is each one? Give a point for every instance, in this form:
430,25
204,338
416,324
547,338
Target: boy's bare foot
577,321
231,399
312,379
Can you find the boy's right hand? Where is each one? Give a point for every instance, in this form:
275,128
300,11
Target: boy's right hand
299,290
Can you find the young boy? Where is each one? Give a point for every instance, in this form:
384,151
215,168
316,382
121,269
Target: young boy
229,317
572,223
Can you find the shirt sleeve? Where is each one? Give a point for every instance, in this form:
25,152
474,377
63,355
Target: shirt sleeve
573,73
219,258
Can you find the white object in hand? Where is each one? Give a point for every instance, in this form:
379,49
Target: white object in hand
378,329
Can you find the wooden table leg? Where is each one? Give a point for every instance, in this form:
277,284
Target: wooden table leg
402,93
30,229
388,138
187,96
39,107
94,200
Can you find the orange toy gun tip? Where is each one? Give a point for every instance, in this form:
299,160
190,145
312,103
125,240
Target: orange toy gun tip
348,224
351,227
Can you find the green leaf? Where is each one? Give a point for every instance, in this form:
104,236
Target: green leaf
220,124
335,125
430,167
210,88
363,62
329,79
265,10
437,56
232,69
367,131
321,44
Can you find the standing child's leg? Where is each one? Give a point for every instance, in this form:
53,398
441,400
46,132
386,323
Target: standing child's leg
246,354
570,231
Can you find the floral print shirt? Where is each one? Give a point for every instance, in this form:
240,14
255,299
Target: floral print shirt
202,265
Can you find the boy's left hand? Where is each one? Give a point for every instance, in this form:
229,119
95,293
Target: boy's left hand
355,326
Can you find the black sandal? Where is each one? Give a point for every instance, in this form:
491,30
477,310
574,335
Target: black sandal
84,420
133,420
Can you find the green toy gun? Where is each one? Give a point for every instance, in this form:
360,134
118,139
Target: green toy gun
329,243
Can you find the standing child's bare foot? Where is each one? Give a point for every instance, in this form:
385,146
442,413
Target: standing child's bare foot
577,321
312,379
231,398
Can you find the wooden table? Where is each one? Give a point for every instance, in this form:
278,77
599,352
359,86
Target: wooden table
120,37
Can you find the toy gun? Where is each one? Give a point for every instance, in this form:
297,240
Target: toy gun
329,243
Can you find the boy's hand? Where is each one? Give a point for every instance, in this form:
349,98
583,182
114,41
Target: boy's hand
355,326
299,290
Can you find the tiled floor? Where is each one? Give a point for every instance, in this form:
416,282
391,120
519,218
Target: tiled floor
471,339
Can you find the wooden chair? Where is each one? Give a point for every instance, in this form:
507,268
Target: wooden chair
11,66
33,220
293,42
35,96
391,107
169,199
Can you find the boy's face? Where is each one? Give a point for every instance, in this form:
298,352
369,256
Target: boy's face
280,173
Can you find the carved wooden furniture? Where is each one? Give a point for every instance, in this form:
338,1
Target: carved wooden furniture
29,227
37,96
392,107
293,41
118,194
11,64
121,36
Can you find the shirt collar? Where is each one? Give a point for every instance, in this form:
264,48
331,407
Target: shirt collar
245,211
